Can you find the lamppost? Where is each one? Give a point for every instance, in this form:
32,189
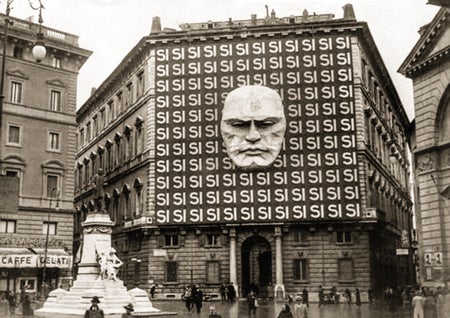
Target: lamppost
38,52
53,194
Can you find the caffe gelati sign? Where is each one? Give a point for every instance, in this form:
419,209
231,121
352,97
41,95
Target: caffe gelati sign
315,176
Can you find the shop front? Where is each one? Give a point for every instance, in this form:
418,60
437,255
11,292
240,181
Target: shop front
26,268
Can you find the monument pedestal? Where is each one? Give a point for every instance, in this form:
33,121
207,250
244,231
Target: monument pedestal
113,294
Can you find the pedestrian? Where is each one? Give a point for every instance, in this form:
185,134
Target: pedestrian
320,295
223,292
370,293
94,311
418,303
348,295
231,292
305,296
12,301
270,291
129,309
26,306
252,303
285,312
152,290
198,299
301,309
358,298
213,313
187,297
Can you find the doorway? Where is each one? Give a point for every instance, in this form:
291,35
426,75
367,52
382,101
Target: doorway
256,265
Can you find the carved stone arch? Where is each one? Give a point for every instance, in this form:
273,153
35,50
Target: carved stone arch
127,130
117,137
138,184
56,82
54,164
100,149
14,159
116,193
126,189
443,117
108,143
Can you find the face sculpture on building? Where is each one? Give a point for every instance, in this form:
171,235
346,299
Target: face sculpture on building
253,126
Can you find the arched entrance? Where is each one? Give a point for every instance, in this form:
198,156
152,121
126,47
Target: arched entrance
256,265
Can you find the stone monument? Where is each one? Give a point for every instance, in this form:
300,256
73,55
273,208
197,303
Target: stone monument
97,271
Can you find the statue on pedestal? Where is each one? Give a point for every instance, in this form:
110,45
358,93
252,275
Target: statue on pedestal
99,192
109,265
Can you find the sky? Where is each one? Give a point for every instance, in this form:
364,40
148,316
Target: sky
111,28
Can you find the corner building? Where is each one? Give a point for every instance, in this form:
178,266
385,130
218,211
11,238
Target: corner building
332,210
428,66
37,156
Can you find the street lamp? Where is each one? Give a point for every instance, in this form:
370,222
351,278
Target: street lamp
53,193
38,51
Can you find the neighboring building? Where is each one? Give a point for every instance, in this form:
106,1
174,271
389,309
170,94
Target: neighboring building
37,151
428,65
333,210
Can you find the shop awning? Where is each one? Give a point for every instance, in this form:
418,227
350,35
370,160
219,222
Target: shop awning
57,258
34,257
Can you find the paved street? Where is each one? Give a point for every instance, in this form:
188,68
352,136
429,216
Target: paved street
265,310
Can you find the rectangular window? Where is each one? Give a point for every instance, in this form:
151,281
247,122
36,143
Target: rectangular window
7,226
212,240
300,271
171,240
170,272
345,268
81,137
344,237
52,186
55,100
50,227
212,272
88,131
16,92
111,114
54,141
14,135
56,62
130,94
140,90
102,123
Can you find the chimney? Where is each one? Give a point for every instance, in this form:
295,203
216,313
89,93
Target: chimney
156,25
254,19
93,89
349,14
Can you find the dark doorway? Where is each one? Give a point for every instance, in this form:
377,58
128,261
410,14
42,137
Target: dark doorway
256,265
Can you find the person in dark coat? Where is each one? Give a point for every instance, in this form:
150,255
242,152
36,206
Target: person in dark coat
223,292
305,296
348,294
358,298
198,299
26,306
252,303
231,292
285,312
94,311
129,309
320,295
152,290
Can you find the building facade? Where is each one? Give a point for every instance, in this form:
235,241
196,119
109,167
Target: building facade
37,151
428,65
333,209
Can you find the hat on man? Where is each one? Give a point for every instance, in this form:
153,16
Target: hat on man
129,307
95,300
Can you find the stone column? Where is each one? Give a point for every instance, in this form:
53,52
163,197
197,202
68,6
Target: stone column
279,285
233,262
